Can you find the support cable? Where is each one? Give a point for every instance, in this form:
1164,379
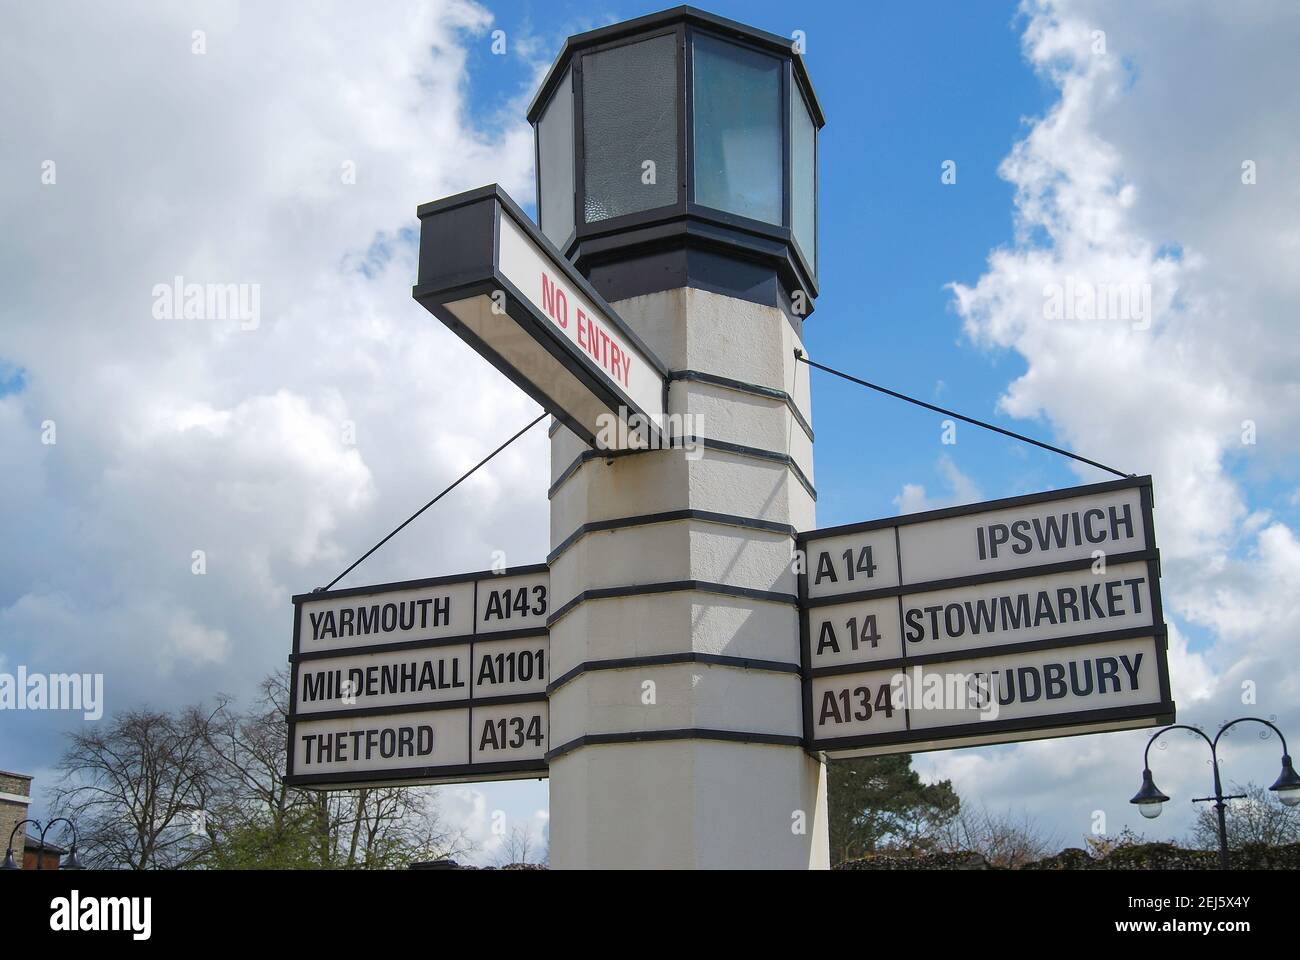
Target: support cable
398,529
799,355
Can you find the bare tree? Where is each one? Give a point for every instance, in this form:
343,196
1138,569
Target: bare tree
1004,840
518,846
207,789
1258,818
255,818
258,820
248,751
385,827
136,789
1101,845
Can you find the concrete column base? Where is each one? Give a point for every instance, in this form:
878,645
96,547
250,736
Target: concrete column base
676,713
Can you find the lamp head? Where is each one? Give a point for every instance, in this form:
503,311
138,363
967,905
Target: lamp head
1149,799
1287,785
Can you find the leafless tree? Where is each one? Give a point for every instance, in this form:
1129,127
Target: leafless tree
258,820
1102,845
1004,840
1259,817
519,846
207,789
382,827
135,789
248,750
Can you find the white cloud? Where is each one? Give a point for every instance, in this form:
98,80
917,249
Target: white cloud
961,489
1135,177
490,822
176,436
184,435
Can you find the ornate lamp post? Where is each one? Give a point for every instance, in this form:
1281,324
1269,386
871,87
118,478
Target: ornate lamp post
10,863
1150,800
71,863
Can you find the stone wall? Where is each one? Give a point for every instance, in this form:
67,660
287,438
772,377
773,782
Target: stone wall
11,812
1138,856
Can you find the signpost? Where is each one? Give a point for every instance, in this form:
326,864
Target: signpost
690,734
424,681
488,273
1036,616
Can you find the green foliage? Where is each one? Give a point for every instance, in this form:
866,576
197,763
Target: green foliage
255,845
880,803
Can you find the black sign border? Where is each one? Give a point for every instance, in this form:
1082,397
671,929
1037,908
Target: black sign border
473,276
416,776
1163,712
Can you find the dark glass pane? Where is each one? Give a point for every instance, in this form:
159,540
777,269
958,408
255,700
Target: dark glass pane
803,179
737,129
629,128
555,151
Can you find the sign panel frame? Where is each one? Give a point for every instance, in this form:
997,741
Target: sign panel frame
470,770
463,273
921,739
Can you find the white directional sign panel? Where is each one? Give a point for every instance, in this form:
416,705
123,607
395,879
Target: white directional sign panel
488,273
1030,617
426,681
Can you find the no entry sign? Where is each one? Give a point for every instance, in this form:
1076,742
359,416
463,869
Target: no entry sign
424,681
1015,619
492,278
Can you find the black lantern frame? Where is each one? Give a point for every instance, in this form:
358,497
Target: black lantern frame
687,243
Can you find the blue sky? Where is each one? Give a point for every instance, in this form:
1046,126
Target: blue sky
904,88
896,109
178,435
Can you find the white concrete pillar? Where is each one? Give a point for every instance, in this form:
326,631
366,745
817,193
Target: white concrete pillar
675,707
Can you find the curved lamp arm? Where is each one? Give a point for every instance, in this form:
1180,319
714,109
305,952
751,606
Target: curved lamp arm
1233,723
1146,754
9,863
60,820
10,844
72,861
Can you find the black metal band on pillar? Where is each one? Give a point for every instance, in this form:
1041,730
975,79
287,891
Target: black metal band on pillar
685,733
799,355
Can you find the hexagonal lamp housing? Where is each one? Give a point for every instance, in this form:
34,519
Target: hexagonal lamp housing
680,149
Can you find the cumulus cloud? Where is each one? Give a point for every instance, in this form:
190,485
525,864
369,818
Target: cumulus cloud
281,451
204,468
961,489
1160,173
496,833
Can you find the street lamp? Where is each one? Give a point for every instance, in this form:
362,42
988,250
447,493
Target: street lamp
680,150
10,863
70,863
1150,800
